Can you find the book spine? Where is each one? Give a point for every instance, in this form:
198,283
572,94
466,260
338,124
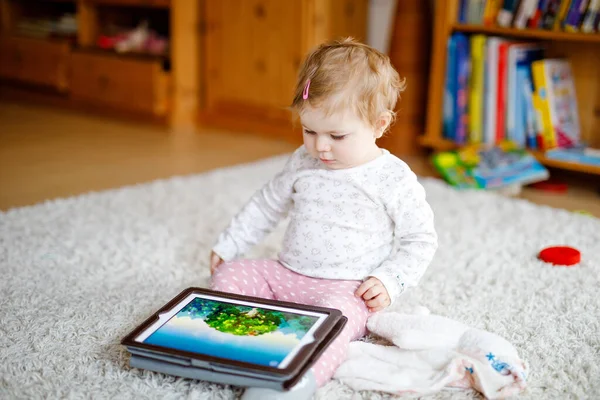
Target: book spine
530,132
507,12
511,71
536,19
518,130
449,122
550,14
541,83
476,88
575,14
562,99
591,13
526,10
475,11
462,11
562,13
492,7
462,88
491,85
501,91
535,141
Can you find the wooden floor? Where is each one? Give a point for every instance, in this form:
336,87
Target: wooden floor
47,153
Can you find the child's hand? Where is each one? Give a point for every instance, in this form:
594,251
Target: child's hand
374,294
215,261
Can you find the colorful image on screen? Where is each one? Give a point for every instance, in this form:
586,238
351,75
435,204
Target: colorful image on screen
236,332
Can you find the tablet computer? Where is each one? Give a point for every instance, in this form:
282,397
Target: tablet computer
234,334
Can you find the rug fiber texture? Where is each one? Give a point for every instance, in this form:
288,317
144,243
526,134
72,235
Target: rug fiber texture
78,274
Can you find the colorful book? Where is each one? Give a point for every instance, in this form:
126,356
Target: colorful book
463,72
591,13
456,90
476,88
537,142
481,167
507,12
490,13
555,87
524,13
520,57
523,125
535,20
578,154
575,15
562,13
462,11
475,11
502,91
491,85
551,14
450,89
530,115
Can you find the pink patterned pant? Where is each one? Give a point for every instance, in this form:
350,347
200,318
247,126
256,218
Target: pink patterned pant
270,280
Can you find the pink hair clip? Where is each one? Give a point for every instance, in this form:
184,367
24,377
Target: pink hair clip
305,92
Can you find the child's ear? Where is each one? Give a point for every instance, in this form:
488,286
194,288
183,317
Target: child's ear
382,124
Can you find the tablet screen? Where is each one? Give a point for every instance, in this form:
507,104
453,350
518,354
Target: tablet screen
234,329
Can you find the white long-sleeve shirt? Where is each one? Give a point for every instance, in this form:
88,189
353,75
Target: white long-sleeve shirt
350,224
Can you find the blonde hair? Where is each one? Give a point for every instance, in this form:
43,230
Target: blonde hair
345,74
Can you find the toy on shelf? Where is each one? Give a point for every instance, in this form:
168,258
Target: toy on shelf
551,186
138,40
63,26
485,167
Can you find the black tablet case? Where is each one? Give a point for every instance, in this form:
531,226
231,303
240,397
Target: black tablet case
197,366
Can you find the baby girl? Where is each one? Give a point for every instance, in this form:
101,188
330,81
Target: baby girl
360,229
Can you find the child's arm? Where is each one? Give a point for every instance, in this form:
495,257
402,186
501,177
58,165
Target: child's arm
415,238
261,214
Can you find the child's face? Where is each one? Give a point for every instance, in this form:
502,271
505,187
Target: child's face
340,140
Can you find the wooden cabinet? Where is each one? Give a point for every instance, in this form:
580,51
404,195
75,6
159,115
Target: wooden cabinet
128,84
87,77
251,51
233,62
38,62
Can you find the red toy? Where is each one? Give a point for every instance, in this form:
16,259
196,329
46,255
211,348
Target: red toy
560,255
551,186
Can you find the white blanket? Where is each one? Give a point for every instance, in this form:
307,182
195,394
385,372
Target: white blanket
432,353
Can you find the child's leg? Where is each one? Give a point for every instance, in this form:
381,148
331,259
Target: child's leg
247,277
269,279
339,295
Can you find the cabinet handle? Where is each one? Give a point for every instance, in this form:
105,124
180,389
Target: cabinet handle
259,11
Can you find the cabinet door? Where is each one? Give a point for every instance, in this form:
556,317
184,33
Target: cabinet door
36,62
121,83
252,49
11,59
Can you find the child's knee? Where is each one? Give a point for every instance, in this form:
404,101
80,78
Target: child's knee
224,275
352,308
228,269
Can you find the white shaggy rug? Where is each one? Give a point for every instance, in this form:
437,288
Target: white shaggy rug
78,274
